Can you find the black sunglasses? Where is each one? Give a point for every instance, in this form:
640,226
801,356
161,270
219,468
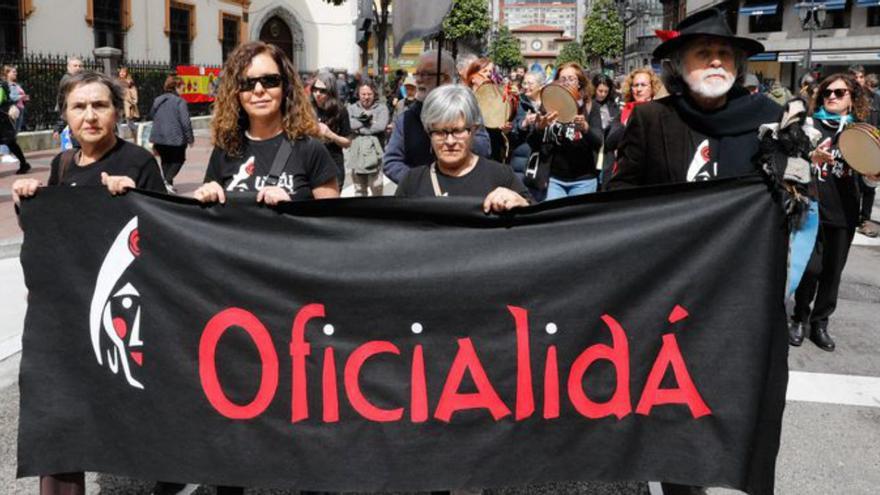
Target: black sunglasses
839,93
267,81
320,90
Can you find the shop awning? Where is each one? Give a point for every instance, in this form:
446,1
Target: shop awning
763,57
868,3
829,4
762,8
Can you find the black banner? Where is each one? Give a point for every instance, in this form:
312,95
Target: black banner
393,344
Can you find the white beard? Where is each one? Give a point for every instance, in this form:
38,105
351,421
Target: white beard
700,83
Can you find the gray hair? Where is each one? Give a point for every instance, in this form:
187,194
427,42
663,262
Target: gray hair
447,65
449,103
673,67
117,94
539,77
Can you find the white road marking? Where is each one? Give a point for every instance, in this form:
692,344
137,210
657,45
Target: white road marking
847,390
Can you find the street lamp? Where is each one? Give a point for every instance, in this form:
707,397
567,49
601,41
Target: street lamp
812,15
629,15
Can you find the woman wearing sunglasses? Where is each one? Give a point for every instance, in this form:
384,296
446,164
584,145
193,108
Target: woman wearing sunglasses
335,128
261,116
839,100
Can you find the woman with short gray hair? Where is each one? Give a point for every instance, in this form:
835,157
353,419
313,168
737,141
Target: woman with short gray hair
450,116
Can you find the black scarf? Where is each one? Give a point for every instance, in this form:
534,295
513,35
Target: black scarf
732,129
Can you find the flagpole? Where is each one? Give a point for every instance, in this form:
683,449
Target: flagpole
439,52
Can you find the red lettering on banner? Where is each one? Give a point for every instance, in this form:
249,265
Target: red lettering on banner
551,384
485,398
353,389
525,396
215,329
299,349
330,393
686,393
618,354
419,388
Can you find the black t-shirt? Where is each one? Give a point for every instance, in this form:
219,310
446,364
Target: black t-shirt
838,194
308,167
341,126
483,179
123,159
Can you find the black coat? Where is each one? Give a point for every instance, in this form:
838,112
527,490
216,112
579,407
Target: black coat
655,147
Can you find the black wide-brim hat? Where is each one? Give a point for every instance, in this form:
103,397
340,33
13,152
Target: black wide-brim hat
708,22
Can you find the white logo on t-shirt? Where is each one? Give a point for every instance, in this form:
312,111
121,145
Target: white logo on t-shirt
702,166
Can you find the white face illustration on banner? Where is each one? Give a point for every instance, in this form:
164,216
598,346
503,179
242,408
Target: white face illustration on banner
115,317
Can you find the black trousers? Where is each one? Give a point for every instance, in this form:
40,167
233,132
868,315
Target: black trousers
866,195
821,279
172,160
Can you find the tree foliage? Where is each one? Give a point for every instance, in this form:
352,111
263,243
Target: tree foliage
504,50
468,19
571,52
603,32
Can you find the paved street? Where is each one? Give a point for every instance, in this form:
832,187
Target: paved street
831,432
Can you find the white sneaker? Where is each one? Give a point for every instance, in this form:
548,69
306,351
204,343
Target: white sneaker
8,159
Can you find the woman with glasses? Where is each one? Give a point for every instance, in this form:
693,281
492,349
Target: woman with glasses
839,100
571,147
333,120
450,116
640,86
262,112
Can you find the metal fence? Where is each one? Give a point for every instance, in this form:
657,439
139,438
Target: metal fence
39,75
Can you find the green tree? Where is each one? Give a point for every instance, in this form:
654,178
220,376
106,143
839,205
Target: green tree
603,32
571,52
504,50
469,19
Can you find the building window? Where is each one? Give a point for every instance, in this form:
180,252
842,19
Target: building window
107,23
873,16
766,23
181,19
551,45
10,28
838,18
230,28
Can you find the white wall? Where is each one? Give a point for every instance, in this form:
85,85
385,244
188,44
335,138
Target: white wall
59,27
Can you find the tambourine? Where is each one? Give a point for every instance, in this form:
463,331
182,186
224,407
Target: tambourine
562,100
493,105
860,146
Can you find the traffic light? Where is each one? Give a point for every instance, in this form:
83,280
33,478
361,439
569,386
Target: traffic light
363,31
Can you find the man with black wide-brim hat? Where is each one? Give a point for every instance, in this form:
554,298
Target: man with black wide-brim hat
708,127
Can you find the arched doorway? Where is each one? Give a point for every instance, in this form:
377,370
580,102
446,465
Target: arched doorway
276,32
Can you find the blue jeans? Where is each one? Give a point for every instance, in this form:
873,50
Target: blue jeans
561,189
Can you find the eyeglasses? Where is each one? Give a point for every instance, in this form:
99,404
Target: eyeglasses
457,133
427,74
323,91
569,79
640,85
267,81
838,93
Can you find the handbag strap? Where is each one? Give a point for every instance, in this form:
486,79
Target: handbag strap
435,182
280,161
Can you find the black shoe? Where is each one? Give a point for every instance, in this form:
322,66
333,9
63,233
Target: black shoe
819,336
795,333
23,168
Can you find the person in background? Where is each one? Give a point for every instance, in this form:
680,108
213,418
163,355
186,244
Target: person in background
840,99
172,129
752,84
609,110
409,145
450,117
132,114
17,95
408,98
74,67
808,87
369,118
872,81
571,148
527,110
779,93
867,192
8,115
478,72
92,104
333,121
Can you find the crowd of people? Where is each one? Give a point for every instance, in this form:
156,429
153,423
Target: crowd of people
283,139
